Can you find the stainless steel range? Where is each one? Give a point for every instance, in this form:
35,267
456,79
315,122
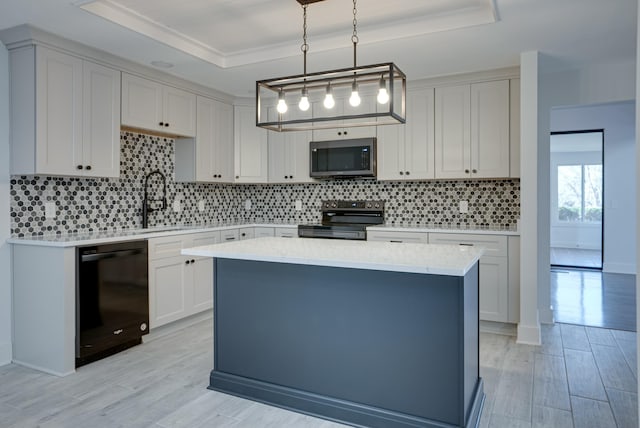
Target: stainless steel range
345,220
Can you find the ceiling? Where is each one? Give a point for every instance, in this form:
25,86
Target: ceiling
229,44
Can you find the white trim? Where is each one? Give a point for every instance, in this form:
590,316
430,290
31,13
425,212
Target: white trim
5,353
529,335
43,369
626,268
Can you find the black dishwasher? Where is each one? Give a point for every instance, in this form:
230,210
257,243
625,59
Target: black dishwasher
112,299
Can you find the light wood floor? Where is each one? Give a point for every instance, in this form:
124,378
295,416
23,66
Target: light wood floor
580,377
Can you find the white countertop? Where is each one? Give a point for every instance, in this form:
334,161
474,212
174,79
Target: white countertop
452,260
103,237
441,229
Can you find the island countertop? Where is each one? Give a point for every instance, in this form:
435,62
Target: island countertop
452,260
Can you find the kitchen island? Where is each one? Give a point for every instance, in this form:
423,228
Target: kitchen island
367,333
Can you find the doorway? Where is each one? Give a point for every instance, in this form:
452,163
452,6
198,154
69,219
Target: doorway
577,191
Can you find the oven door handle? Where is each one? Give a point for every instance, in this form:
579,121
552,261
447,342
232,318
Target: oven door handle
109,255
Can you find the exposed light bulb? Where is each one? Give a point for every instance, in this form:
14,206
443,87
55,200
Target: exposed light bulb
282,105
383,95
354,100
329,102
304,100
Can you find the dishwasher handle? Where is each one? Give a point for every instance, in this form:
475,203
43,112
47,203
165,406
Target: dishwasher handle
109,255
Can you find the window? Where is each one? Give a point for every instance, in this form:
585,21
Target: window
580,193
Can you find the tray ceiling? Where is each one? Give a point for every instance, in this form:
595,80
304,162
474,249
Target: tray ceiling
230,33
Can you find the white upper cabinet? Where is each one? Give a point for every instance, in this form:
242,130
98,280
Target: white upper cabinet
75,107
157,107
514,131
250,147
406,152
209,156
472,130
289,153
343,107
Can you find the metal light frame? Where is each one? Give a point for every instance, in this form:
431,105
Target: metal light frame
270,91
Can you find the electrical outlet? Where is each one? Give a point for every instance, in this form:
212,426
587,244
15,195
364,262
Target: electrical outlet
464,207
201,206
298,205
247,205
49,210
176,206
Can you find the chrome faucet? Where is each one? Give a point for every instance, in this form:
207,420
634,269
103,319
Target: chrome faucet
146,209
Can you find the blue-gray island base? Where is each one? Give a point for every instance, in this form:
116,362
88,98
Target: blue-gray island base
362,347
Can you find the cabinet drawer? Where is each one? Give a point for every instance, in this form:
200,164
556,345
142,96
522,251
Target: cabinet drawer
287,232
205,238
246,233
167,246
261,232
494,245
229,235
393,236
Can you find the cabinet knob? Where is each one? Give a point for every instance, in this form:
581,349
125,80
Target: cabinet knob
244,234
166,124
161,124
339,133
79,167
407,173
401,172
237,176
344,133
466,171
187,262
192,261
88,167
474,171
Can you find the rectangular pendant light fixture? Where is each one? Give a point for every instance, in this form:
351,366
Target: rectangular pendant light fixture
366,95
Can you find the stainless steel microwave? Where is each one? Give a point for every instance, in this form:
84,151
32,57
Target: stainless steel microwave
343,158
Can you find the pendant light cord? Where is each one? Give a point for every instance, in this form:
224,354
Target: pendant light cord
305,46
354,36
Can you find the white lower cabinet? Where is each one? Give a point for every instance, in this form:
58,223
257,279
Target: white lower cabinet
394,236
494,271
261,232
179,285
286,232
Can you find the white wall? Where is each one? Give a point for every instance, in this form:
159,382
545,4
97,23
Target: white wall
5,266
618,121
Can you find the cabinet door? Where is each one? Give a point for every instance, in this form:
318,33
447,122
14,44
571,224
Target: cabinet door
58,113
514,128
490,129
419,145
168,294
141,103
494,289
229,235
101,121
286,232
179,112
452,132
213,156
277,148
201,273
246,233
261,232
250,147
390,146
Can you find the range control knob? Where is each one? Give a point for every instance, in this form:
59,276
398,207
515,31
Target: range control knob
334,205
368,205
377,205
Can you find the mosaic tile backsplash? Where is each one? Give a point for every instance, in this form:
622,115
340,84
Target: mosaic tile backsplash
103,204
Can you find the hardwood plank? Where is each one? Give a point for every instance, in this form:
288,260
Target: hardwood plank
550,387
500,421
600,336
583,376
551,340
574,337
625,407
589,413
513,397
613,368
547,417
630,352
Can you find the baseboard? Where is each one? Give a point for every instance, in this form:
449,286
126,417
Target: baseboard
627,268
529,334
5,353
42,369
573,246
506,329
